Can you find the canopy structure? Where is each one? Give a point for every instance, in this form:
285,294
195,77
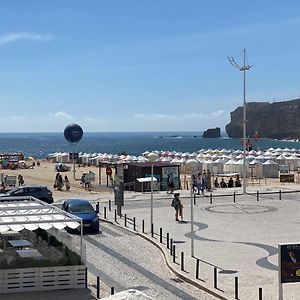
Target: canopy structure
18,213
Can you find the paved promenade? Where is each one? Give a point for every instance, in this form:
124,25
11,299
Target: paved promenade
238,238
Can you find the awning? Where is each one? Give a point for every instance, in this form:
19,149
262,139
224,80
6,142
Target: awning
146,179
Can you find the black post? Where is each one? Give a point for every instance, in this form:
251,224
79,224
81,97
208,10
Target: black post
86,278
194,199
279,194
236,288
171,246
160,235
125,220
112,290
134,223
210,196
233,197
182,261
109,205
168,240
107,180
143,226
257,196
174,254
98,287
97,207
215,278
197,268
115,215
260,296
105,212
152,230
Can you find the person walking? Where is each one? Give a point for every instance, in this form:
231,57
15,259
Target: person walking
199,181
67,183
20,179
60,182
170,183
176,203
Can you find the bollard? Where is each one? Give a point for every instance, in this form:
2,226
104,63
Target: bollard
105,214
115,215
125,220
215,278
210,196
143,226
233,197
86,277
160,235
152,230
236,288
134,223
97,207
279,194
109,205
197,268
98,287
174,254
112,290
171,246
182,261
260,295
168,240
257,196
194,199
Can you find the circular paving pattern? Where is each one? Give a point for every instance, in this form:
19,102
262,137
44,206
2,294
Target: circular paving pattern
240,209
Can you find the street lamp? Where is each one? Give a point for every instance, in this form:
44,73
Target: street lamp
192,165
152,157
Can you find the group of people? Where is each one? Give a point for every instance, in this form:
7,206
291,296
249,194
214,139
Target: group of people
60,182
229,184
202,182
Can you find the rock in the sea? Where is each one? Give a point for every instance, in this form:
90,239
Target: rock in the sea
278,120
212,133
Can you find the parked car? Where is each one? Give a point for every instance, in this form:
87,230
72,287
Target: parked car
84,210
37,191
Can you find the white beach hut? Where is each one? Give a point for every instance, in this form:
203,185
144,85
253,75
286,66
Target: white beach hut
270,169
255,169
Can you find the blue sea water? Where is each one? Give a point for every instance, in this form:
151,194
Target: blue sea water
39,145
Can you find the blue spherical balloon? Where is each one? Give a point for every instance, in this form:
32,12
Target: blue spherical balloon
73,133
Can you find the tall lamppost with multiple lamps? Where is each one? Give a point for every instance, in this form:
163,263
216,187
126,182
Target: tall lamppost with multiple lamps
152,157
192,166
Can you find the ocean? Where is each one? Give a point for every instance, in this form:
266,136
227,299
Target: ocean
39,145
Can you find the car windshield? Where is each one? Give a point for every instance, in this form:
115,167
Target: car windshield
83,208
12,191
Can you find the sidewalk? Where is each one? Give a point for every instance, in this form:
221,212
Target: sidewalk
238,239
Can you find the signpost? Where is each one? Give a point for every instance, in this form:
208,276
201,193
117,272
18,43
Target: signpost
289,265
119,188
73,134
108,173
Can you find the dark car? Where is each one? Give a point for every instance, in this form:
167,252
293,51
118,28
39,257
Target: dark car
37,191
84,210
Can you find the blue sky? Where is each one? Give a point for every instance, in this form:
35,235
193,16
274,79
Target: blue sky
142,65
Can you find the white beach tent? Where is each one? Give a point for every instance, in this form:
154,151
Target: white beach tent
293,162
229,166
270,169
218,165
255,169
207,165
281,160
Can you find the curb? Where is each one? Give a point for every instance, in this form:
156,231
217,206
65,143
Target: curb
166,259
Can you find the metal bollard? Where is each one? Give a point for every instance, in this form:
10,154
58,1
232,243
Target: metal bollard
125,220
174,254
210,196
236,288
143,226
105,214
86,277
152,230
197,268
134,223
215,278
115,215
98,287
109,205
257,196
112,290
160,235
97,207
260,294
233,197
182,261
171,246
279,194
168,240
194,199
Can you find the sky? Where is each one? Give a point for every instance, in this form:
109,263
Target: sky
142,65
